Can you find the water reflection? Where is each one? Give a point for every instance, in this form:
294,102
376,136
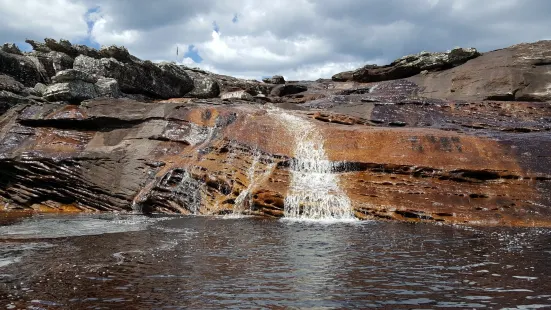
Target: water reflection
213,263
316,255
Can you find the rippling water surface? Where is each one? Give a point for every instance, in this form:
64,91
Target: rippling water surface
138,262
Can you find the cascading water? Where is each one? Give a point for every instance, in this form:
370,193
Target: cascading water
314,192
240,200
189,190
253,179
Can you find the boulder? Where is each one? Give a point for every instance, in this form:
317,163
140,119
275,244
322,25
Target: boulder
8,83
170,69
11,48
63,46
37,46
9,99
343,76
276,79
108,87
409,65
73,92
86,51
240,94
27,70
226,83
40,89
120,53
74,75
288,89
53,61
204,86
136,77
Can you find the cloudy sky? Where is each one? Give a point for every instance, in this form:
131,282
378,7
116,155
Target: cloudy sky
300,39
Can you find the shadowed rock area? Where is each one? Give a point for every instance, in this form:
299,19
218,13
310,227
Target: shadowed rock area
454,137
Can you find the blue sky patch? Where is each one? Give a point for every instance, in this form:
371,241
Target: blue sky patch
193,54
215,27
90,22
24,46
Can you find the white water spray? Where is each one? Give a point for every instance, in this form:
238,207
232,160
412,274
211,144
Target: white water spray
190,192
314,192
253,178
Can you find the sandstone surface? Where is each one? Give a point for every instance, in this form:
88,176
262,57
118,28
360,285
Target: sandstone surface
400,149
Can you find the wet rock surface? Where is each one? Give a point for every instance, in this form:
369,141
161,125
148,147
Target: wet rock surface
397,150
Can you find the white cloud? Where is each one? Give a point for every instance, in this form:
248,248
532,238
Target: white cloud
102,32
42,18
263,50
300,39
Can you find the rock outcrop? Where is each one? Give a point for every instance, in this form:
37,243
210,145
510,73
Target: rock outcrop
63,46
26,70
517,73
409,65
276,79
11,48
74,92
239,94
53,62
107,87
136,77
288,89
398,149
204,85
10,84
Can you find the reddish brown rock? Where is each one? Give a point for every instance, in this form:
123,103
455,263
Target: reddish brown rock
516,73
193,158
398,153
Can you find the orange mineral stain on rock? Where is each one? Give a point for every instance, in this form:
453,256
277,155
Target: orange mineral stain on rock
388,173
204,159
58,141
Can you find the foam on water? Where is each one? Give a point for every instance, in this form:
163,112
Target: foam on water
39,227
323,221
13,252
314,192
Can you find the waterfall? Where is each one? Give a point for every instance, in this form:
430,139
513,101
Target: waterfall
244,196
240,200
314,192
190,193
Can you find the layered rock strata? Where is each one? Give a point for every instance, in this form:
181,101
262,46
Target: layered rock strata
397,151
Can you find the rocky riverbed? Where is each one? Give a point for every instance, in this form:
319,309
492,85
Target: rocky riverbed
454,137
